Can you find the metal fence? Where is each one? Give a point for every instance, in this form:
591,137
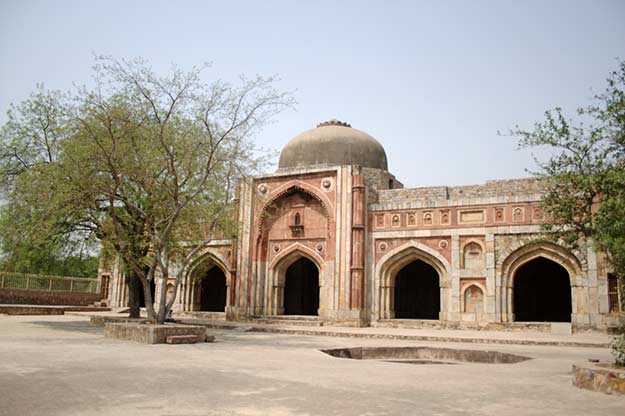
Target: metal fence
9,280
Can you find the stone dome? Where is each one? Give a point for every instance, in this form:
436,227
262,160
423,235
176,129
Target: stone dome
333,143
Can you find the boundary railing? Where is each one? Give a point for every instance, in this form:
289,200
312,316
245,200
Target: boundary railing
24,281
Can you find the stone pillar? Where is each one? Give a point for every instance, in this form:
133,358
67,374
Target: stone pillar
231,294
490,296
244,248
358,243
450,296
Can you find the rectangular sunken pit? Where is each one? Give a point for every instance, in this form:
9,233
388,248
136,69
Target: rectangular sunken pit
425,355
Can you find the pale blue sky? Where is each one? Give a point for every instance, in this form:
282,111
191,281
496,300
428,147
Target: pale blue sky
432,81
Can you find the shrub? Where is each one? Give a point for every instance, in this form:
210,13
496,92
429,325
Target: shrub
618,349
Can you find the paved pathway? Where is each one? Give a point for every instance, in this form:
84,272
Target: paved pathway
60,365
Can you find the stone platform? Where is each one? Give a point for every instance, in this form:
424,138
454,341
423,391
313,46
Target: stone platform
605,378
145,333
586,339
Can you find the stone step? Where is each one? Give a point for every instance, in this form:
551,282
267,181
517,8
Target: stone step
104,303
428,336
187,339
408,323
200,315
559,328
294,320
289,323
290,317
181,339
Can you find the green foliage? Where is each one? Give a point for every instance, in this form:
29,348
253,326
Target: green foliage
37,260
585,177
146,164
618,349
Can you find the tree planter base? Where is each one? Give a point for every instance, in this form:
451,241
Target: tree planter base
604,378
153,334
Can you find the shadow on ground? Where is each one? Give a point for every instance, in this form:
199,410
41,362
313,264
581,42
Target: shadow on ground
72,326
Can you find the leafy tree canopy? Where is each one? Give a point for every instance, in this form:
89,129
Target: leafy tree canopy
585,177
145,163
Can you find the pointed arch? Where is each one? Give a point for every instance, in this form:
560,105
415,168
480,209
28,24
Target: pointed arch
394,261
203,262
290,255
548,250
531,251
295,185
278,269
209,257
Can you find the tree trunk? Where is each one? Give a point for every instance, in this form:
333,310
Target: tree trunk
149,301
134,295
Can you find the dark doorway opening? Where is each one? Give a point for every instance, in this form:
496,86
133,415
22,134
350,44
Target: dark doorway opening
213,291
417,292
301,288
542,292
142,295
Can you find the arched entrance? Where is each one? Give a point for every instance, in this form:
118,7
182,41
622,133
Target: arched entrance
301,288
417,292
542,292
213,291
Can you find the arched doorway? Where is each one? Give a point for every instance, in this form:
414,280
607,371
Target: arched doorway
301,288
542,292
213,291
417,292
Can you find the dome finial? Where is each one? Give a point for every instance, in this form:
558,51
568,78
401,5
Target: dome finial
333,122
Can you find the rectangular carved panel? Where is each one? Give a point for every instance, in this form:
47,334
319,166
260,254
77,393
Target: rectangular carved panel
471,217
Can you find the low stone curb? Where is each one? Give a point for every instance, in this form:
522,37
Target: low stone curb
606,379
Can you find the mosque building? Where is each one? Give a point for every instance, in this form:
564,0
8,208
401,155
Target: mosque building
333,237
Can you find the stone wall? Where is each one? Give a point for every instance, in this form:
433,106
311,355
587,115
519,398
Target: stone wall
377,180
37,297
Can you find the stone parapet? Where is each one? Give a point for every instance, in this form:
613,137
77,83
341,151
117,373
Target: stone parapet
492,192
